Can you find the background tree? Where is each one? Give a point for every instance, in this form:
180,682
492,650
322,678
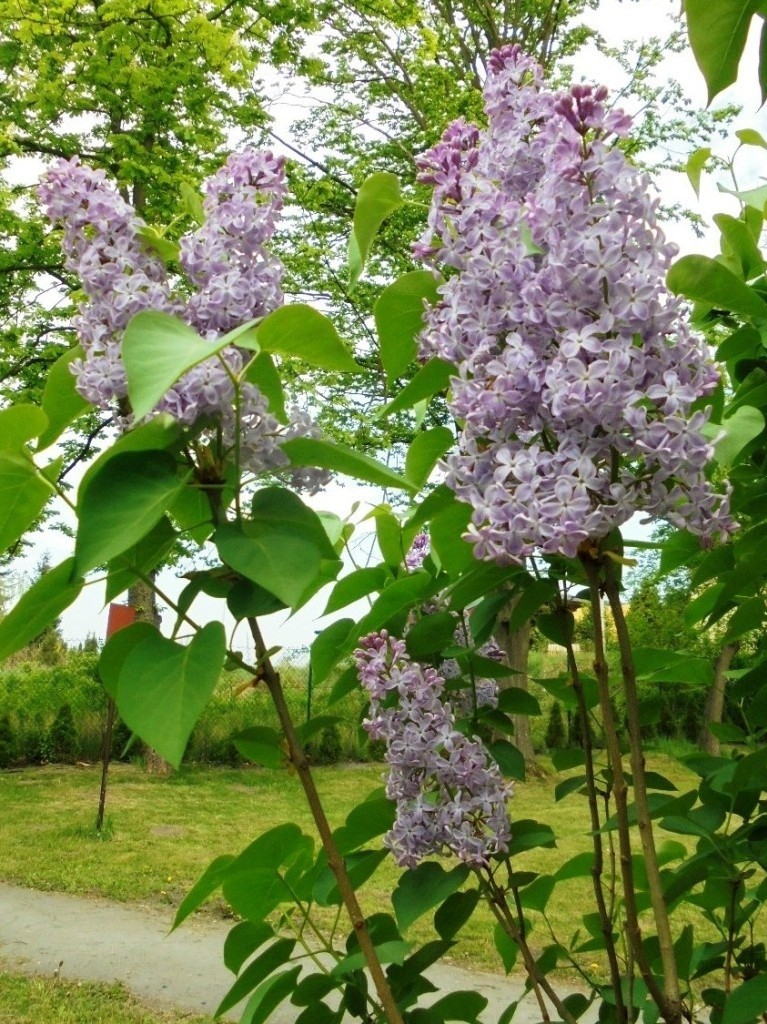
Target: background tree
392,76
152,94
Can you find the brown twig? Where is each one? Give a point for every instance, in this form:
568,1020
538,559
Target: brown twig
335,861
620,791
605,917
672,1010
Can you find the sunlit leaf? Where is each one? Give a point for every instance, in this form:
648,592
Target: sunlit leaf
399,315
162,687
718,33
377,199
121,503
39,606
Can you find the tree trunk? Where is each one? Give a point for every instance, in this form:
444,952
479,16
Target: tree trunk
515,644
142,598
712,713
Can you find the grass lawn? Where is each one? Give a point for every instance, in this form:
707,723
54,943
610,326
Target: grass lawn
164,832
32,1000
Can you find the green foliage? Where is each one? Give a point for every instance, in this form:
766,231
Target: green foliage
62,736
718,35
556,735
161,687
329,748
271,551
8,746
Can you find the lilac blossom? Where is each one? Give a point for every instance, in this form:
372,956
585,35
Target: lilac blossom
231,279
449,793
120,276
419,549
576,373
235,276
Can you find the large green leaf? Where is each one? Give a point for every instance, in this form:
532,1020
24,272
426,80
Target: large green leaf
732,435
121,503
282,560
206,885
329,647
23,495
426,448
432,378
389,534
447,529
378,197
396,598
62,403
283,547
399,315
38,608
141,558
263,373
192,511
751,198
305,333
162,687
19,424
366,821
261,745
356,585
269,995
747,1002
739,241
718,30
255,883
157,349
160,433
656,665
275,955
747,617
242,941
246,599
306,451
431,634
463,1006
509,759
695,165
455,912
423,888
704,280
278,507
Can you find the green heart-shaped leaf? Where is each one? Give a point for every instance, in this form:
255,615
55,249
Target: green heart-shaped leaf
161,687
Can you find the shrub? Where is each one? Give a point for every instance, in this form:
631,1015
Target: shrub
7,742
62,736
556,736
121,735
328,749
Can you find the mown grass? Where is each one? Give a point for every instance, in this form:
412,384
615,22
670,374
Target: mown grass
164,832
52,1001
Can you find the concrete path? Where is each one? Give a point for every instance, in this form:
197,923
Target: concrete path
95,940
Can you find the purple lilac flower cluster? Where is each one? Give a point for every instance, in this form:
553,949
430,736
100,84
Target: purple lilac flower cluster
419,549
577,374
233,279
225,258
119,275
449,793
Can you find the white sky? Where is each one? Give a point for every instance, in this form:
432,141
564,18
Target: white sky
618,20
